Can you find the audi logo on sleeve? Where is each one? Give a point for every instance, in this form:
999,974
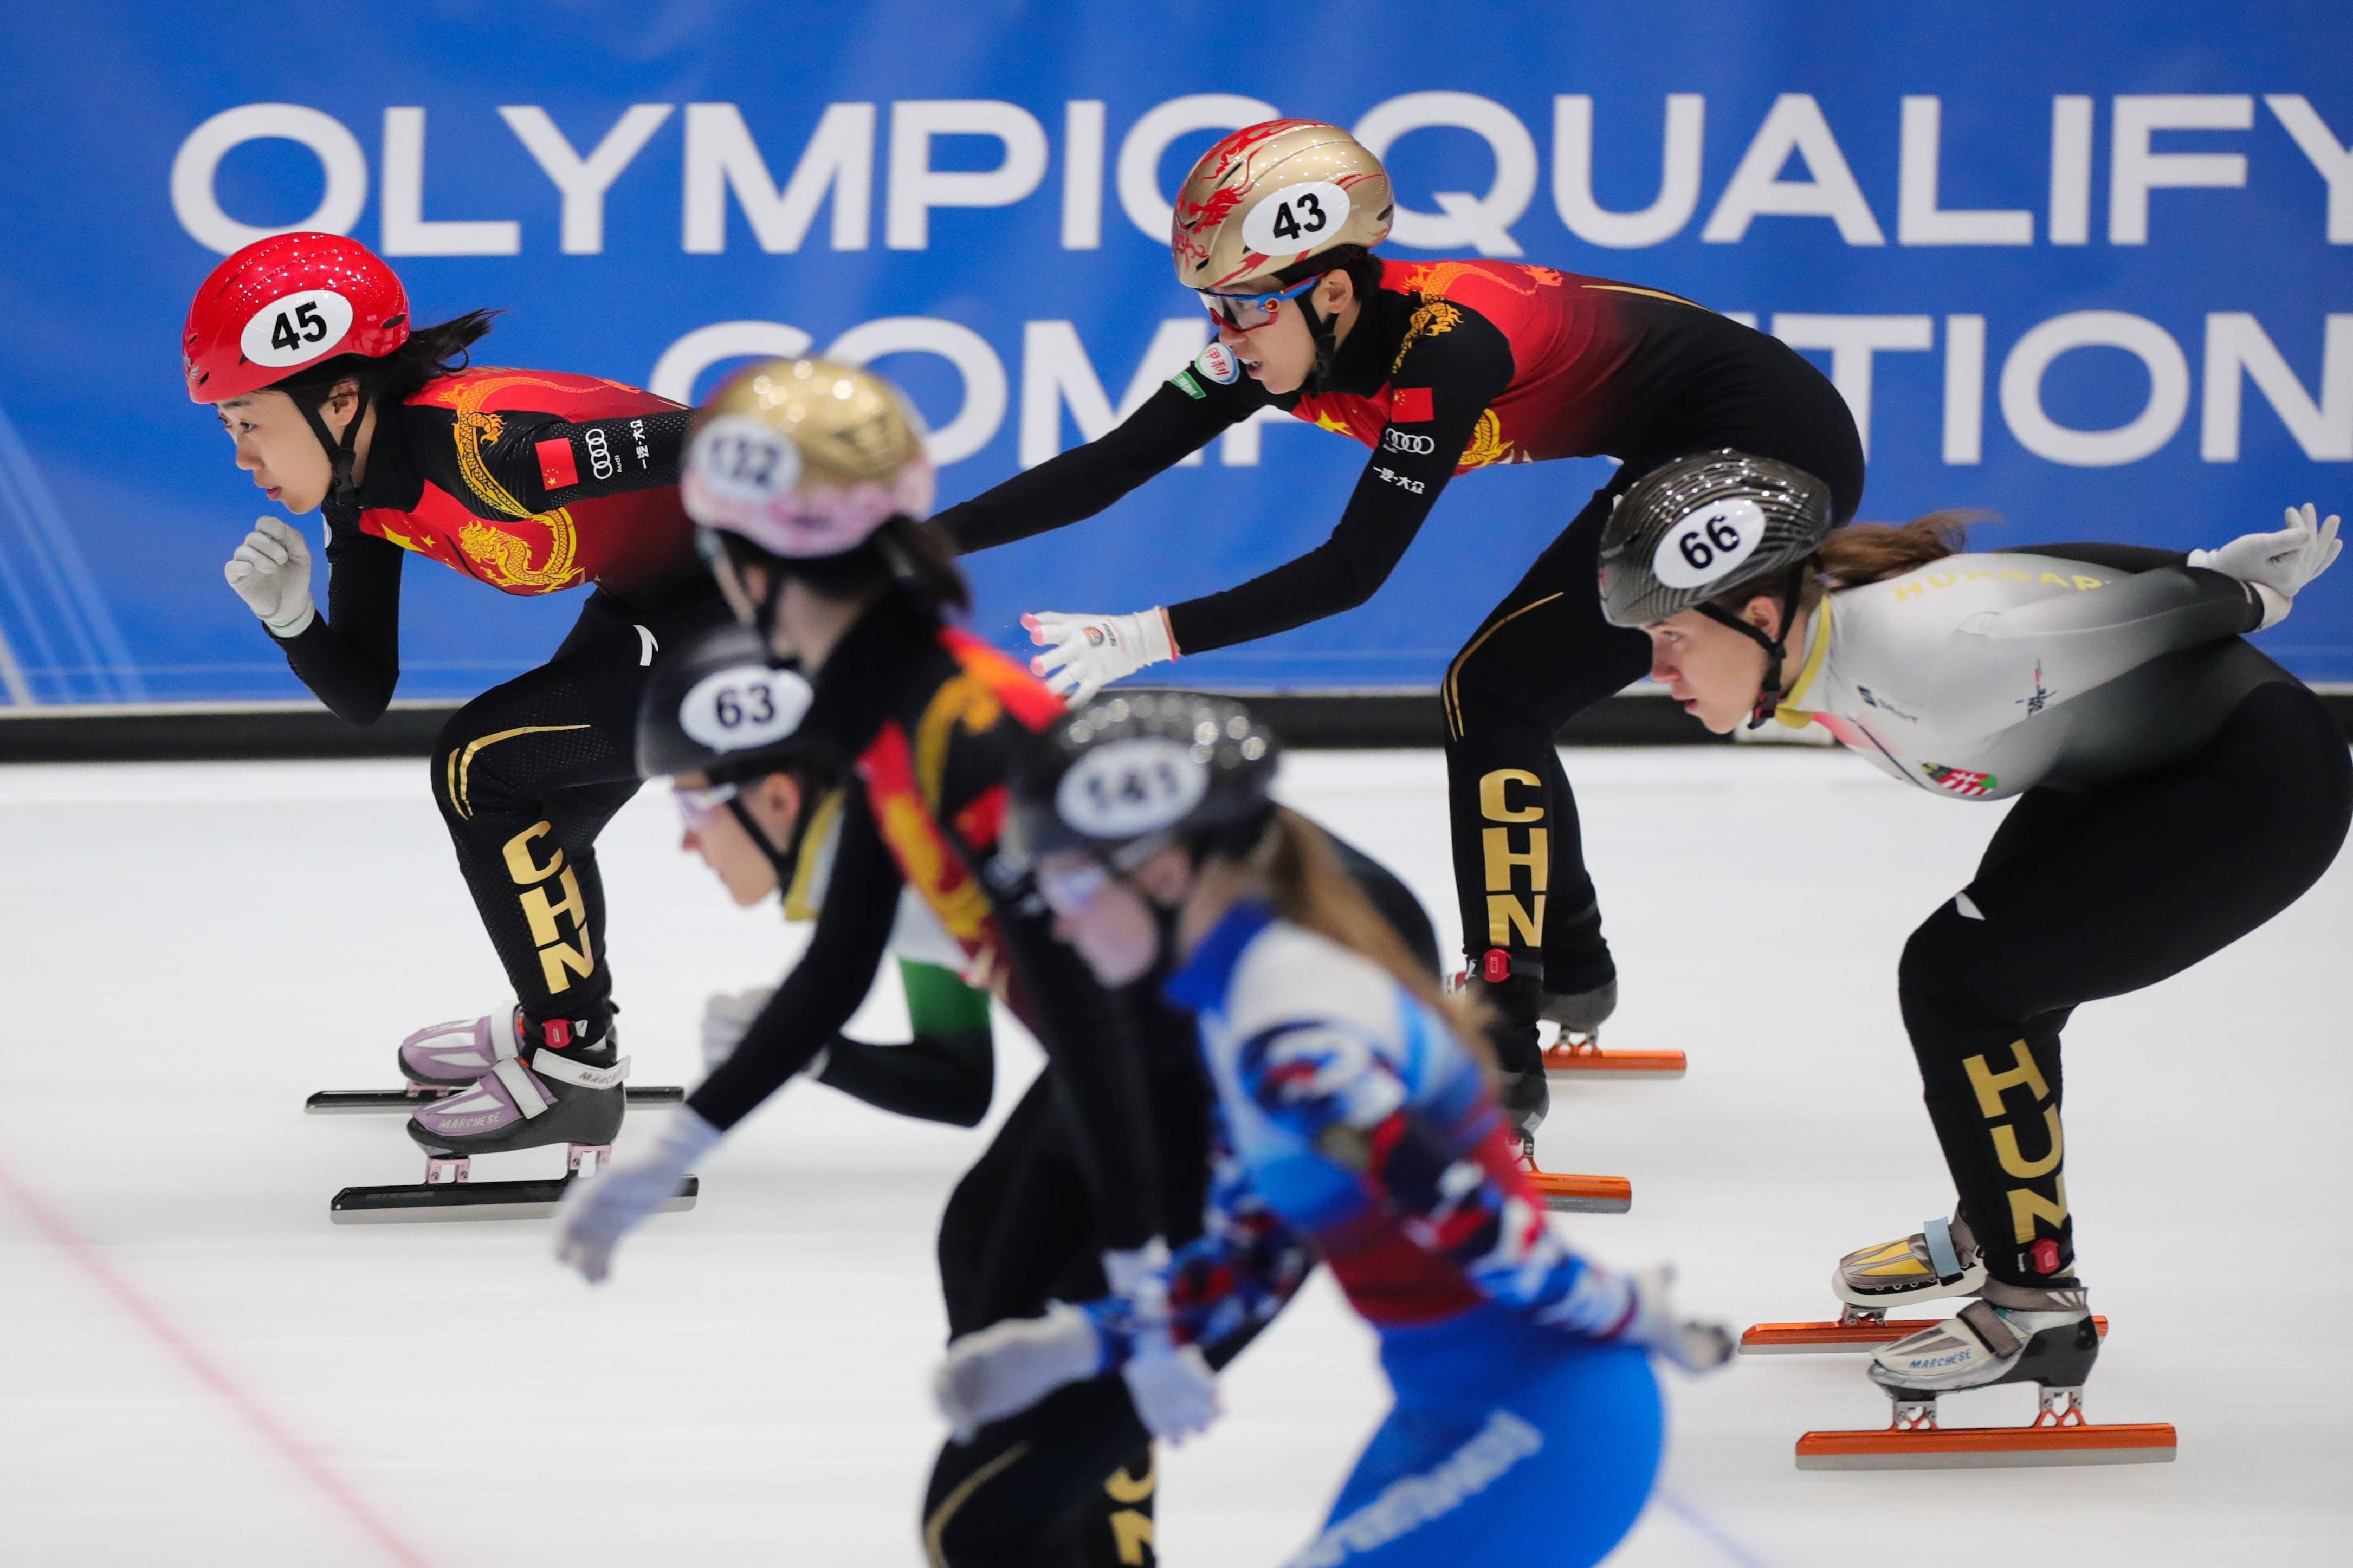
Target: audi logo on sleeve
1405,441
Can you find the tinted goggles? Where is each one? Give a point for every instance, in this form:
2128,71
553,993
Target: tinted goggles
1247,312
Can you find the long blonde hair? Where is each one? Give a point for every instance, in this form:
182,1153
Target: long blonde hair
1309,887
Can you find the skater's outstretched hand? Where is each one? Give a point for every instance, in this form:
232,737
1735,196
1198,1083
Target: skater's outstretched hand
2277,566
606,1206
726,1014
1086,653
1005,1368
272,573
1690,1344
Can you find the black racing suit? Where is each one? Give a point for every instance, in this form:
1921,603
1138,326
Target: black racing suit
2193,799
1456,365
532,482
932,723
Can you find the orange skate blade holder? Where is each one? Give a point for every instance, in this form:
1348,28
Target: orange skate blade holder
1574,1056
1564,1193
1833,1339
2058,1436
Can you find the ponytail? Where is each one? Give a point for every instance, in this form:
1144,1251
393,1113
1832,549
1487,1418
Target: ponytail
428,355
1310,888
1864,553
1874,551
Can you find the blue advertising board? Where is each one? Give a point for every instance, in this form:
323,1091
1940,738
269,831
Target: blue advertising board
2089,267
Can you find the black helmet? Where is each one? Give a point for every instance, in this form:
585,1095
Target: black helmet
1690,530
714,707
1126,776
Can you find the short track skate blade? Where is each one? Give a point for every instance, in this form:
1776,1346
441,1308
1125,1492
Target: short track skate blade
1986,1447
1566,1193
372,1101
469,1200
1567,1064
1834,1339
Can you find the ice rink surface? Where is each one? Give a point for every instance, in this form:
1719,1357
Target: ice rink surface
197,1368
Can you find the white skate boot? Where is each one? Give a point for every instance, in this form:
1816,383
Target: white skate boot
2043,1335
1940,1259
440,1059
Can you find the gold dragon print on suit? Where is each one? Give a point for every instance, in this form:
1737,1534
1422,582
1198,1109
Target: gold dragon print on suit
1487,445
505,558
1438,314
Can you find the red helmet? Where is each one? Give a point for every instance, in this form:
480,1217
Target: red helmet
286,303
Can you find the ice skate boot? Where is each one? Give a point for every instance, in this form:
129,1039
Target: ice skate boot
1564,1193
1940,1259
442,1058
2039,1334
1575,1050
447,1056
558,1095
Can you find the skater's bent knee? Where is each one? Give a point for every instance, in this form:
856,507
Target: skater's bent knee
1948,994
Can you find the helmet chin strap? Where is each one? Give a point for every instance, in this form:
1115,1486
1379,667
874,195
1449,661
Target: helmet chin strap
779,859
1319,326
343,452
1769,691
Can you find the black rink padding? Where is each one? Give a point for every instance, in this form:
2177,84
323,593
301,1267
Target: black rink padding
1307,721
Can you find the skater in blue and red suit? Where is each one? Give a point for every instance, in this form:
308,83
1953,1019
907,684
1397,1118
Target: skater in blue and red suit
1351,1124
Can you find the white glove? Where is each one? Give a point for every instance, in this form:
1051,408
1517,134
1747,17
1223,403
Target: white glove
725,1015
606,1206
1086,653
2277,566
1692,1345
272,573
1008,1367
1175,1391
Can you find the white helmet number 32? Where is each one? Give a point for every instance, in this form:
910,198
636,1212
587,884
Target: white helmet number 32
1709,544
743,459
1134,786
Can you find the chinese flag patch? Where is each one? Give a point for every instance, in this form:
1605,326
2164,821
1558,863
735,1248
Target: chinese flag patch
557,467
1409,405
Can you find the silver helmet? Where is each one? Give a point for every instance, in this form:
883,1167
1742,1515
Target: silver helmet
1694,530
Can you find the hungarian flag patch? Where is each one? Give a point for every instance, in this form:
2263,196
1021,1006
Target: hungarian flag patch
1962,782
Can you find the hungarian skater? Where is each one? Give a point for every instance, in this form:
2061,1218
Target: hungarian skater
531,482
1352,1123
2175,790
1440,367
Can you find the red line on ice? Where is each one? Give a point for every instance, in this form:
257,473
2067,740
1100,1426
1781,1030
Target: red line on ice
49,1224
